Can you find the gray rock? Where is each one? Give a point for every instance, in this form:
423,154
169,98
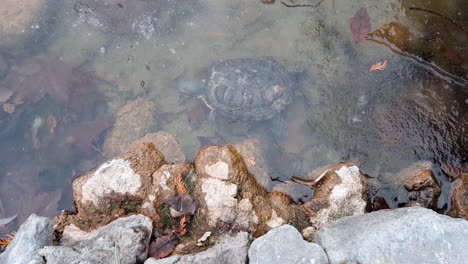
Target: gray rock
126,238
35,233
406,235
284,244
229,250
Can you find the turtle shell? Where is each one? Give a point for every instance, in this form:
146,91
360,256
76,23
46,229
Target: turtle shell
249,88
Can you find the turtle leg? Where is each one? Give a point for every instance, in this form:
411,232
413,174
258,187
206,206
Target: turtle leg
279,127
214,120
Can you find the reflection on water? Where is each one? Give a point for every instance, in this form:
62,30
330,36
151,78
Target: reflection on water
60,92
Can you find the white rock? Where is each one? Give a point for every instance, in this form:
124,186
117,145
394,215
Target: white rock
114,176
345,198
219,170
220,201
246,216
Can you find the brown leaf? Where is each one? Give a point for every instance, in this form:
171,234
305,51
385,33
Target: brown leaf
185,204
181,226
360,25
163,246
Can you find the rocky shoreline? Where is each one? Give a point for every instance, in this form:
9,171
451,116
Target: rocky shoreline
148,206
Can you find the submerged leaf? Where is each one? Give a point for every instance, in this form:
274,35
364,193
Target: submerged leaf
360,25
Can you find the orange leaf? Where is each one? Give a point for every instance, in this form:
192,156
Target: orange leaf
379,66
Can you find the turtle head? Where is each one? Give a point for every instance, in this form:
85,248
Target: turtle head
190,87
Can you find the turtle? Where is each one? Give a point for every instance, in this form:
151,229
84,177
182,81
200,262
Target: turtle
247,89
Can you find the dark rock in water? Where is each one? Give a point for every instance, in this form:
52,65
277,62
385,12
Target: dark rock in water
405,235
284,244
33,235
414,185
422,185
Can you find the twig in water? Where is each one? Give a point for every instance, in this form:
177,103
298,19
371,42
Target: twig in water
440,15
302,5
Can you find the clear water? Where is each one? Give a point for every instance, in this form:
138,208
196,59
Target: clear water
87,58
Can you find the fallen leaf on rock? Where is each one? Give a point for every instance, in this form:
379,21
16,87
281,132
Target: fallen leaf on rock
184,204
360,25
163,246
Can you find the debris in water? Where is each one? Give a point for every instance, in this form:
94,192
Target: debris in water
5,221
379,66
37,123
360,25
51,124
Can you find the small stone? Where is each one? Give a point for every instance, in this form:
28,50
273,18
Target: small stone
5,94
284,244
460,197
203,238
127,236
421,184
9,108
35,233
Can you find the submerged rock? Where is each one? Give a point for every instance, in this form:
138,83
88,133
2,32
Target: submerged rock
285,245
134,120
35,233
167,144
420,182
459,199
406,235
126,238
414,185
229,250
19,19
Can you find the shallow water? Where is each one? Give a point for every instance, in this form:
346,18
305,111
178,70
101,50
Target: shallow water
111,52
